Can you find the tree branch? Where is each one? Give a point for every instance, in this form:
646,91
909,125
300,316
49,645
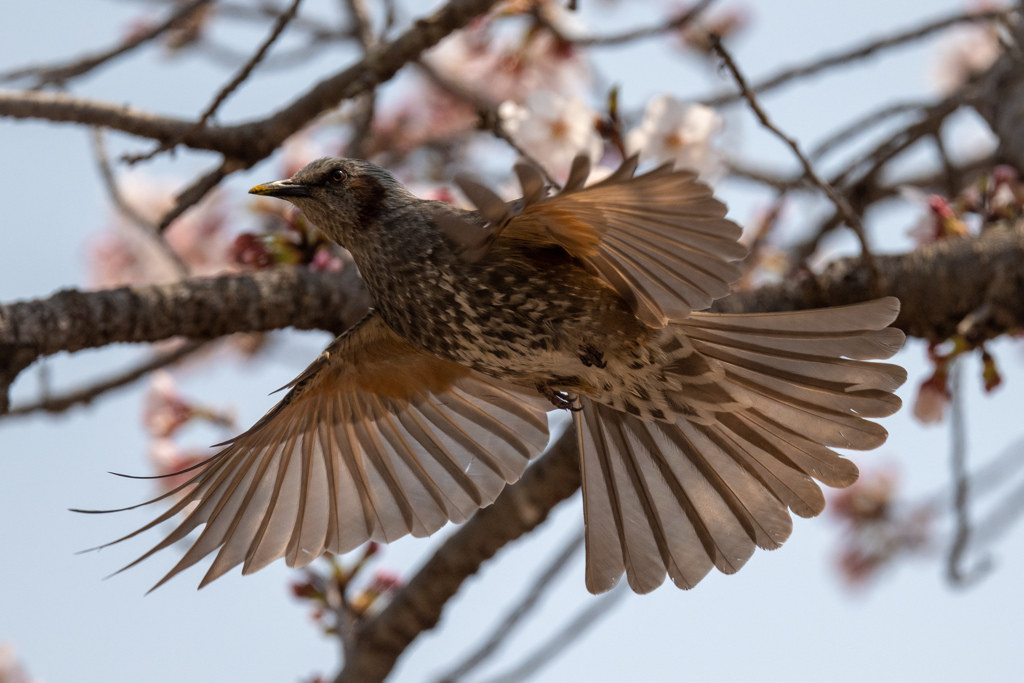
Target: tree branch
417,606
236,81
58,74
939,285
73,320
253,141
572,631
956,574
859,52
842,205
504,628
675,24
86,394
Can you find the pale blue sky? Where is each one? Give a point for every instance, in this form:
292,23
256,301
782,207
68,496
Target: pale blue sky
784,617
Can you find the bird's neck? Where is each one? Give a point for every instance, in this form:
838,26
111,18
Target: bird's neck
406,265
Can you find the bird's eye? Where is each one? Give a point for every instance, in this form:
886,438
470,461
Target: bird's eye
338,175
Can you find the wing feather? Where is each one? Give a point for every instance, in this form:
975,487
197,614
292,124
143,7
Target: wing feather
761,399
375,440
661,240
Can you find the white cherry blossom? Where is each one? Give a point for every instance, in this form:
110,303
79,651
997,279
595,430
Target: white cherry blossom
553,129
672,131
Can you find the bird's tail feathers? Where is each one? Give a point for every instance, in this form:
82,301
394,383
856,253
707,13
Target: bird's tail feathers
680,497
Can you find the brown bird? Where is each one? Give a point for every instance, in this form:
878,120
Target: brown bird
696,431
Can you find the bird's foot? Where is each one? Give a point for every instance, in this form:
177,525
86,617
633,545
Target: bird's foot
560,399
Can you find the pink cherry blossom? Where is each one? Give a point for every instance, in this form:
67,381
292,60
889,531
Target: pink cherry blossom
11,670
165,409
968,51
931,400
128,253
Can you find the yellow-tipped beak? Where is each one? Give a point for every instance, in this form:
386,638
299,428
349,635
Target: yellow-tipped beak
281,188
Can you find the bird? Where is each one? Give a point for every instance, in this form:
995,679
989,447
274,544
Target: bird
699,433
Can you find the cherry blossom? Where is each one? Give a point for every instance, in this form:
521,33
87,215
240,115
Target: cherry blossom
553,129
932,397
939,222
165,409
968,51
502,69
672,131
11,670
877,530
128,253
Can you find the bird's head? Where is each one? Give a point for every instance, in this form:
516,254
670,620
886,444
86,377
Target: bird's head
343,197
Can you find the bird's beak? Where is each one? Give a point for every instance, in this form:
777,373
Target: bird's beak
281,188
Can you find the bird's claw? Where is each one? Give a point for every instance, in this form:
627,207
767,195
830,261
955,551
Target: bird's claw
560,399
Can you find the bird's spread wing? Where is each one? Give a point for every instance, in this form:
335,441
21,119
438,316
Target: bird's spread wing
684,496
375,440
661,240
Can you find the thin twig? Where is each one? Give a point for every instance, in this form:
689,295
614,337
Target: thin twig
359,141
840,202
279,25
861,125
557,644
632,35
254,141
999,520
259,12
87,394
948,167
867,188
279,61
194,193
490,119
58,74
147,228
506,626
317,29
390,18
860,52
930,121
773,179
955,572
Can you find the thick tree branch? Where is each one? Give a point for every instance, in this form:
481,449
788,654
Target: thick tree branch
73,320
939,286
417,607
250,142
